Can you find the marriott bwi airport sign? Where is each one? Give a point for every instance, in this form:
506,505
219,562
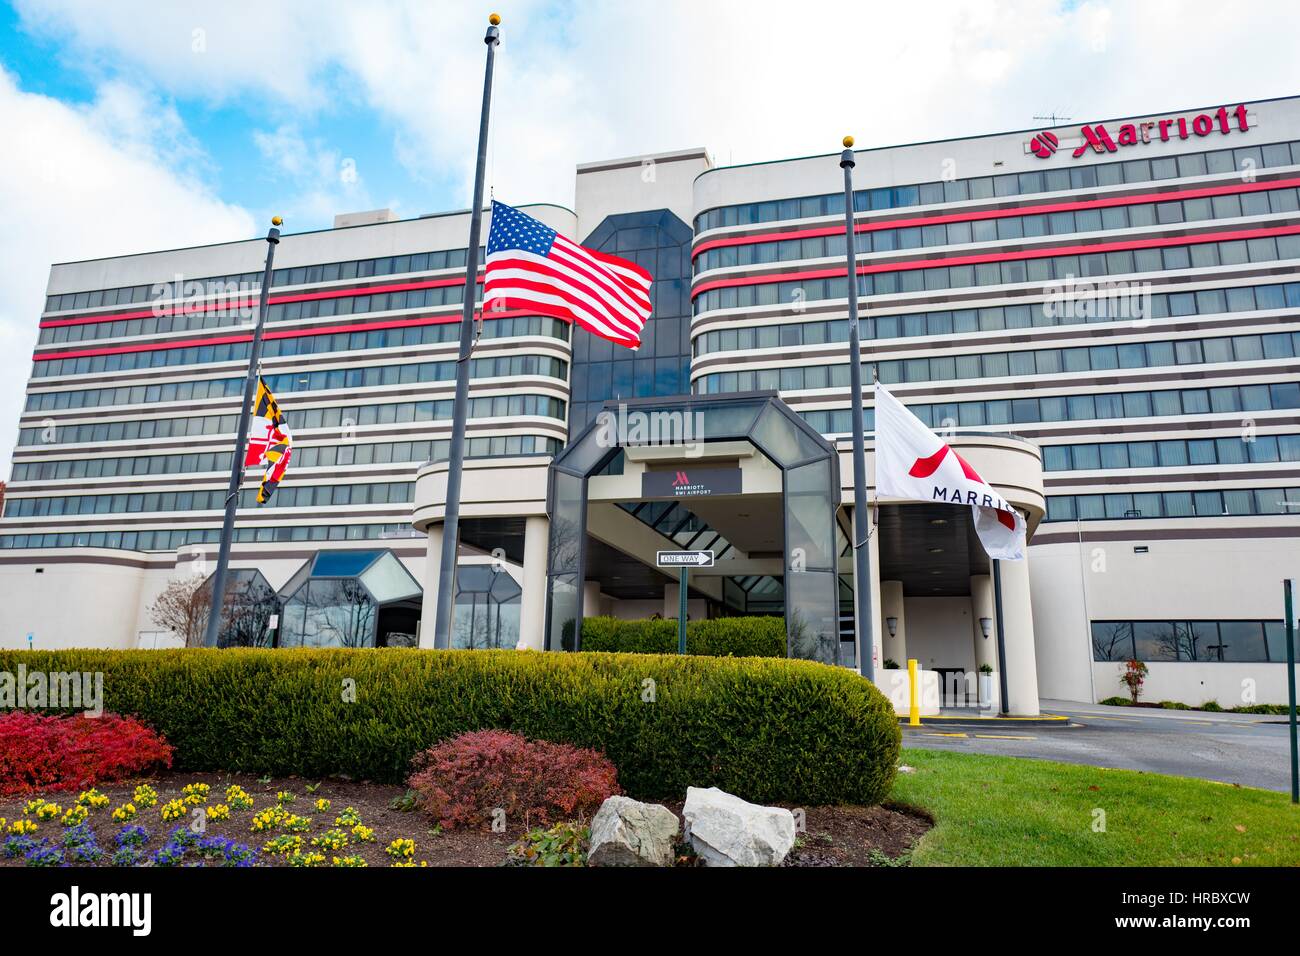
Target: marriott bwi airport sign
1098,138
690,483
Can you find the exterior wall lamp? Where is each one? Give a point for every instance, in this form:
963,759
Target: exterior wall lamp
986,625
892,624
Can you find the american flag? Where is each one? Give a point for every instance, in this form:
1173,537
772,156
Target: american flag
532,267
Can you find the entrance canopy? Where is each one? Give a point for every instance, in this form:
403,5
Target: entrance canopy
682,430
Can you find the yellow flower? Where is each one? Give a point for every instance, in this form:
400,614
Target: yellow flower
75,815
145,796
196,793
363,833
48,811
31,806
125,813
322,805
172,810
401,849
237,798
22,827
348,818
92,799
218,811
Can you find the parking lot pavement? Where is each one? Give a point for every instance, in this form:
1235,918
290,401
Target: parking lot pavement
1247,749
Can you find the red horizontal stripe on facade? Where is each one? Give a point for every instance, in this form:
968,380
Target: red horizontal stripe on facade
1046,253
252,303
280,334
1108,202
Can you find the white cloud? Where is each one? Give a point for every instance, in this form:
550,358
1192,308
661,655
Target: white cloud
750,79
84,183
320,181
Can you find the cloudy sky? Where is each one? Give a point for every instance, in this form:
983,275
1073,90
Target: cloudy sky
137,125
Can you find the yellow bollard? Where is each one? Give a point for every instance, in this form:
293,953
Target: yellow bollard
914,705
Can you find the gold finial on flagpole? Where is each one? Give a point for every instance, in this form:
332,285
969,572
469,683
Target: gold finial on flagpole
277,221
848,142
494,19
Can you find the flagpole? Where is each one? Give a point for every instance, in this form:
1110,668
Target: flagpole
861,554
241,440
456,453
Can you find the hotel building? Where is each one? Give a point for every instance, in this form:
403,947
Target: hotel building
1104,319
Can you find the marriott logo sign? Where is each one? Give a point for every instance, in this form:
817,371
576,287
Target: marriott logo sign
1099,139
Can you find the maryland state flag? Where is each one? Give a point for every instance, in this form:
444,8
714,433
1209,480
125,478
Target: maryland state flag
269,442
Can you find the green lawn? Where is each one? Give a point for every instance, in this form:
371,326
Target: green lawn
1009,811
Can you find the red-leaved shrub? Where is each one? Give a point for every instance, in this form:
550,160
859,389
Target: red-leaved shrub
462,781
38,752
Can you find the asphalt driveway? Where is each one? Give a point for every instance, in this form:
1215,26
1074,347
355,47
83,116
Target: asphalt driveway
1247,749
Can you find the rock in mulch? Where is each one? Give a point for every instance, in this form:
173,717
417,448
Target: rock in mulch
625,832
725,830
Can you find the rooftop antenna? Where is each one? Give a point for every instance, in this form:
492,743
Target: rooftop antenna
1054,119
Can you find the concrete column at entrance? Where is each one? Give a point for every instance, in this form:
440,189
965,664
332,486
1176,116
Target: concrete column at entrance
672,593
532,602
891,605
591,599
878,649
981,605
429,604
1021,666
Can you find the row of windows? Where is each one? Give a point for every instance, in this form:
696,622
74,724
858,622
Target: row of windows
1172,453
1078,408
199,319
947,368
1068,222
1174,504
290,496
1011,184
498,406
285,382
1203,255
374,453
997,318
251,282
170,540
1213,641
408,337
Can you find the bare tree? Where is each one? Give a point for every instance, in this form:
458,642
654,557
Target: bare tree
1112,642
182,608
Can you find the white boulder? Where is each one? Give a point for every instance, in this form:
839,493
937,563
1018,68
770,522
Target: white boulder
725,830
625,832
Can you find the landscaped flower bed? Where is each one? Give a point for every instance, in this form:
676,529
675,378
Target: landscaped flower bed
246,822
340,823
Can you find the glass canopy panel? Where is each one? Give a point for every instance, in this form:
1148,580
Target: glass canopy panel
330,612
812,615
487,609
342,564
246,611
388,579
783,440
810,517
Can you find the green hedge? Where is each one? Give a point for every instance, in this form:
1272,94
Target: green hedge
767,730
720,637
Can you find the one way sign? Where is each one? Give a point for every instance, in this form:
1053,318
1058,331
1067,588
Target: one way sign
684,559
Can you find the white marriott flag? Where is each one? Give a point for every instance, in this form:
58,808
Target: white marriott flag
915,464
